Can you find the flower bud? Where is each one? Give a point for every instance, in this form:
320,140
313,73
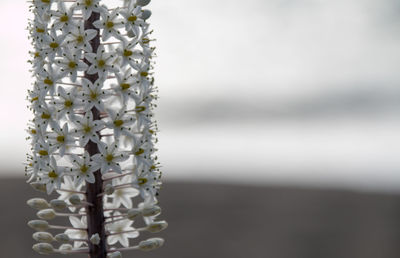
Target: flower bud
38,186
65,248
95,239
151,244
38,203
62,238
75,199
58,205
142,2
43,237
145,14
114,255
109,189
38,225
47,214
43,248
132,214
157,226
151,211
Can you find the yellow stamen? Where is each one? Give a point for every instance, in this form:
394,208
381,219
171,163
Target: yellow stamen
68,103
45,116
79,39
109,157
118,123
87,129
53,174
39,30
132,18
60,138
33,131
142,180
48,81
101,63
93,95
64,18
125,86
84,169
43,153
109,24
53,45
140,109
140,151
72,65
144,74
127,52
34,99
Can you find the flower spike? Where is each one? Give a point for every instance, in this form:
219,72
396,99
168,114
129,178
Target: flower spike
93,134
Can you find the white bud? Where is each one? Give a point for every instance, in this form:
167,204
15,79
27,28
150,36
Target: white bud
38,225
38,187
151,244
43,248
58,204
151,211
157,226
95,239
62,238
38,203
46,214
145,14
132,214
109,189
114,255
43,237
75,199
65,248
142,2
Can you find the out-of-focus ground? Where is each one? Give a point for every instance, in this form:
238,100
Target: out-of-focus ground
236,221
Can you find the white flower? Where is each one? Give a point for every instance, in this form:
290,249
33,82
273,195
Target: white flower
109,158
102,62
52,175
132,19
68,185
64,20
120,122
123,195
109,24
83,168
87,128
61,138
128,53
48,78
117,228
66,102
126,86
79,38
71,63
52,44
92,94
77,234
89,6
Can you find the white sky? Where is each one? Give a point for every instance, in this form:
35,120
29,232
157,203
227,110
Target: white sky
253,52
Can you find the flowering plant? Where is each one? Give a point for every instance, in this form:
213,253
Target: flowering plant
93,131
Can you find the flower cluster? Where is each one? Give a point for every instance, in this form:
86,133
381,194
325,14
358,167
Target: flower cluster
93,129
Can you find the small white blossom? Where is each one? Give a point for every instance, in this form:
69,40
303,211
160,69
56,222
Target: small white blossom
109,158
118,228
102,62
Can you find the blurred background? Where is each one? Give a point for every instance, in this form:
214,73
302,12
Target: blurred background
279,128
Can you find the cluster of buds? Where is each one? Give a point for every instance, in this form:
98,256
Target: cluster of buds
93,131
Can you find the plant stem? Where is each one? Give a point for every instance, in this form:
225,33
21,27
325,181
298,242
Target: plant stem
95,213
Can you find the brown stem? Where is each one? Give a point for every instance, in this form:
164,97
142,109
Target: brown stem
95,213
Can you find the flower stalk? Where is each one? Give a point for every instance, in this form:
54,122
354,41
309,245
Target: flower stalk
93,131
